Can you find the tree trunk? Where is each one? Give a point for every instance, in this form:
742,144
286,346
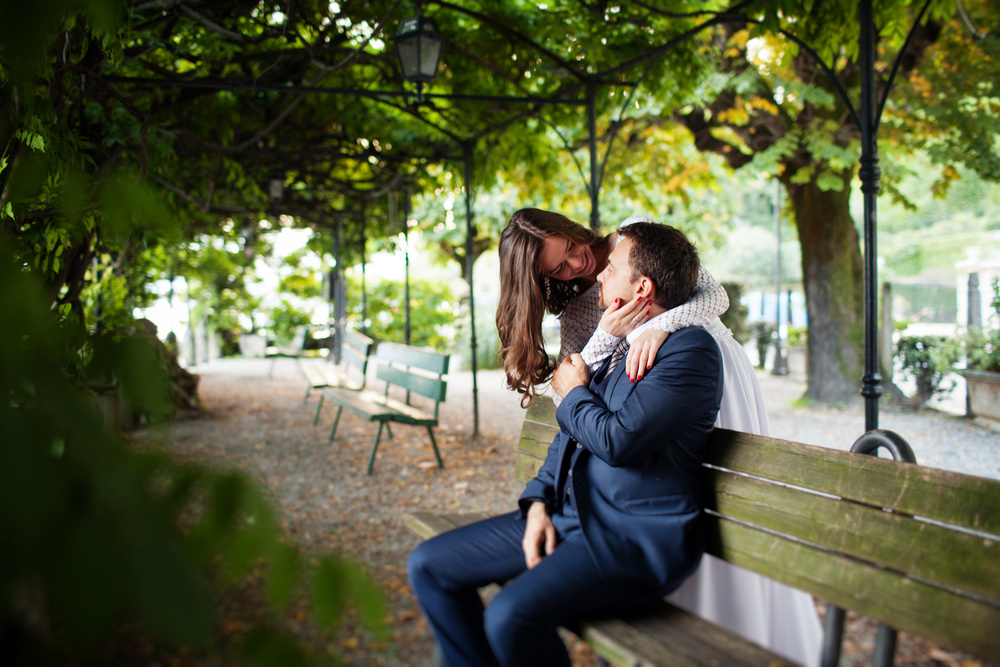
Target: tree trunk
833,280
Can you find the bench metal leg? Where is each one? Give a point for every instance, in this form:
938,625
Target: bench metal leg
833,634
270,373
336,419
434,444
319,406
885,647
388,429
378,436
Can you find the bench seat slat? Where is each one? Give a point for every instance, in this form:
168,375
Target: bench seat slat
429,524
931,552
951,620
367,404
324,374
668,635
964,500
409,414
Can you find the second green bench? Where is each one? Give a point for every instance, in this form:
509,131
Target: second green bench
414,369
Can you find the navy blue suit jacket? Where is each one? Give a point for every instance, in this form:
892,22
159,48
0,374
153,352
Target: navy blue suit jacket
637,477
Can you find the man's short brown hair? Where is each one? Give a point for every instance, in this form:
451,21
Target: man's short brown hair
664,255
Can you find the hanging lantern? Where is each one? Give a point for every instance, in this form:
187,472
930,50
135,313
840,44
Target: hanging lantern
418,47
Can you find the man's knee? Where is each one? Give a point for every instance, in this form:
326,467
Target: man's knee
420,565
502,619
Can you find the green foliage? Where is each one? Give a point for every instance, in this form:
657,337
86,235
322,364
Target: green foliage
762,332
798,335
982,348
736,317
927,360
94,530
433,312
285,319
300,281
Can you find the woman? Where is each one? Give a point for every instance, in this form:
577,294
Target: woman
550,263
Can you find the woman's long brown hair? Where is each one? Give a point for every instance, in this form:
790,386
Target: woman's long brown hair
525,295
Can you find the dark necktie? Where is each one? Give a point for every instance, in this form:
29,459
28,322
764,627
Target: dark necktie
620,351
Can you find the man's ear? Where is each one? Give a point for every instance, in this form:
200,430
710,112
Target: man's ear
645,288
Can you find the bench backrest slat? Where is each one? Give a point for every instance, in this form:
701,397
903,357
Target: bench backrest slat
971,502
414,369
414,357
932,552
951,620
871,535
355,350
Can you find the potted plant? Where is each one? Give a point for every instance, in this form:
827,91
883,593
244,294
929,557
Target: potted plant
798,350
982,367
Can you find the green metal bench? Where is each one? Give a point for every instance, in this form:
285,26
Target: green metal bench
354,352
915,548
414,369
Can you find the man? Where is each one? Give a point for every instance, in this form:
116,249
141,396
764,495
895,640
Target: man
611,521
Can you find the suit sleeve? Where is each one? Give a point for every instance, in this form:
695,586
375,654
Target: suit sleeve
678,391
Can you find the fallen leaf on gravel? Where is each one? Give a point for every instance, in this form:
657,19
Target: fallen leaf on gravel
426,464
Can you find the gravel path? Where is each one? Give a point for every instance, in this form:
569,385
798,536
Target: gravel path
261,425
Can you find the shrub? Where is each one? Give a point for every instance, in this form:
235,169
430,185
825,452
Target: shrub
762,332
927,359
736,316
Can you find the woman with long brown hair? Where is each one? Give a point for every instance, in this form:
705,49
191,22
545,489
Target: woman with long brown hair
548,263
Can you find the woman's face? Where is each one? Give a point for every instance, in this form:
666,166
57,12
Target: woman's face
563,259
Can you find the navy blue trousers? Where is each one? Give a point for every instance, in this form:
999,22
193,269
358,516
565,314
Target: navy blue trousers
519,627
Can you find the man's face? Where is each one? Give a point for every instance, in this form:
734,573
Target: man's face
616,278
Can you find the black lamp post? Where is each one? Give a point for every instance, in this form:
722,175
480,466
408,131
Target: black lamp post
418,47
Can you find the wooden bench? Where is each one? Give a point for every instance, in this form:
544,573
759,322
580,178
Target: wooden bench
414,369
915,548
355,349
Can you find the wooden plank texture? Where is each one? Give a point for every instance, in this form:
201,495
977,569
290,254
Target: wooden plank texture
964,500
899,541
526,467
542,409
668,635
536,438
953,621
429,524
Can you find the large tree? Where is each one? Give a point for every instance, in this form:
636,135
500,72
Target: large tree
767,96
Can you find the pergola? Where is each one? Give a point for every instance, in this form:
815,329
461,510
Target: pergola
449,135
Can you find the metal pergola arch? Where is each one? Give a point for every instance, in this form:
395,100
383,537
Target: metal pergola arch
867,120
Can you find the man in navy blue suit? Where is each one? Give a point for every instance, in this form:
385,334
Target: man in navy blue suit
612,520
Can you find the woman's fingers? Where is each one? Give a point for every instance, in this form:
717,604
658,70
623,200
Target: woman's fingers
645,347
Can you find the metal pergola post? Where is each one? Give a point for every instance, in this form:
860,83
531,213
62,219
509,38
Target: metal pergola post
406,276
470,235
780,366
870,174
595,214
364,287
337,285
